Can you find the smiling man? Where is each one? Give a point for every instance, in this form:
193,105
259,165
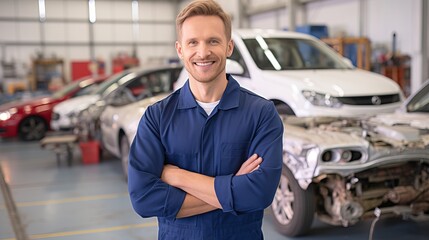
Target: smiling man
207,159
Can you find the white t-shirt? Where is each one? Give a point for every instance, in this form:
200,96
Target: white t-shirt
208,107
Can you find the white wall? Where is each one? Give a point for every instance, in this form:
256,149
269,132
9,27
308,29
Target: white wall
66,32
341,17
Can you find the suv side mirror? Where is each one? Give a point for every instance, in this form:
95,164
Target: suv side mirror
233,67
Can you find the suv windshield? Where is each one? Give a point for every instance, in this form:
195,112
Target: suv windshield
292,54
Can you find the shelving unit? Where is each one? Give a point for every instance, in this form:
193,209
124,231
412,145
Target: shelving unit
363,49
45,71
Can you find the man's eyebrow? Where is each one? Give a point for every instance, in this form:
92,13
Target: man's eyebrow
215,38
189,39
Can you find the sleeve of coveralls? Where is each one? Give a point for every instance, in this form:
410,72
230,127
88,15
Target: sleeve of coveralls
255,191
149,195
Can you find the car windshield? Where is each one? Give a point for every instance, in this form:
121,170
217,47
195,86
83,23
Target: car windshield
292,54
66,89
108,83
420,102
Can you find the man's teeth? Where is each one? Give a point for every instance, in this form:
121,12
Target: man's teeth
203,64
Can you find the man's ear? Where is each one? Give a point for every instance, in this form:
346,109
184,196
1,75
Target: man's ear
230,48
179,49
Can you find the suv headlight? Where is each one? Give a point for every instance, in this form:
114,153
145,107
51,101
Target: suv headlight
6,115
321,99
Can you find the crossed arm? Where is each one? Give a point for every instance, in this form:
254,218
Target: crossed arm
201,196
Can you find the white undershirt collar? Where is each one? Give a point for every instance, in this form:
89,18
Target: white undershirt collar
208,107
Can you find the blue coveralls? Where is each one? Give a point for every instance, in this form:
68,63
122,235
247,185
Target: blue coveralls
178,131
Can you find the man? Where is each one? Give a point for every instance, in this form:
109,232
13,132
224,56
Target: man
207,159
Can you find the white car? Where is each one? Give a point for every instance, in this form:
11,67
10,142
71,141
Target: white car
119,125
64,112
305,77
125,87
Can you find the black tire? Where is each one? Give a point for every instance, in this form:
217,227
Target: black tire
125,150
292,208
32,128
284,109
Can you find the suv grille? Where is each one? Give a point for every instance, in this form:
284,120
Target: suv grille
370,100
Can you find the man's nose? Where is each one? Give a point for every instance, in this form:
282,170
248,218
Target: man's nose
204,50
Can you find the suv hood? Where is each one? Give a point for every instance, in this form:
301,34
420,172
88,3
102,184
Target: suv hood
76,104
338,83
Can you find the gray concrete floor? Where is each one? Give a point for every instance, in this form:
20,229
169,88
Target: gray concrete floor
90,202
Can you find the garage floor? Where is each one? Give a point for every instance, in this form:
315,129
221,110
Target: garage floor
90,202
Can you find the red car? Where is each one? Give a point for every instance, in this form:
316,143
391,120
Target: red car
29,120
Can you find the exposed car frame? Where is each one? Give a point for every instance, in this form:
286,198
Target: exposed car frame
344,170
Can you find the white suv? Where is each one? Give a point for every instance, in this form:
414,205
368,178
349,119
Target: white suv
305,77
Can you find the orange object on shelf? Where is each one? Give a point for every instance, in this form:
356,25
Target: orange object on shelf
90,152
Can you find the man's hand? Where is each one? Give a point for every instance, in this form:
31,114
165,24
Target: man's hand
201,196
250,165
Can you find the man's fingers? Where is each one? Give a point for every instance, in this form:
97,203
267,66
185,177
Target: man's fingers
250,160
256,168
250,165
254,164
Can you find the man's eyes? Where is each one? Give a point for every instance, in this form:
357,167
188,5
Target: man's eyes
192,43
211,42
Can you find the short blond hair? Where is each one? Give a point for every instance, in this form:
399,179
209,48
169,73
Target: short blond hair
203,8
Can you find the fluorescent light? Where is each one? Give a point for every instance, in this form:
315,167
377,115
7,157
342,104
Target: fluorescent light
92,15
135,10
42,10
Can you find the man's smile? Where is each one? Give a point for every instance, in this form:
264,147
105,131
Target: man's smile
204,64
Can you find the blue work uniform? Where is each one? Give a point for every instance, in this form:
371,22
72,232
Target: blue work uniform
178,131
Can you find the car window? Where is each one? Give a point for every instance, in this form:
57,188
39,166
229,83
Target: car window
292,54
66,90
87,89
109,82
420,102
146,85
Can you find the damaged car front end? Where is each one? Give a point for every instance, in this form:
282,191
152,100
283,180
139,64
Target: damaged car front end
343,169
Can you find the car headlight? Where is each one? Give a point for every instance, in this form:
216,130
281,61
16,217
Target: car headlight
321,99
6,115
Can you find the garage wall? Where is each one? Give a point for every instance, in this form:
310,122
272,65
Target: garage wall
66,32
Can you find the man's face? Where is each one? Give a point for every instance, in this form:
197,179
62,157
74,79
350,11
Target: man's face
203,47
